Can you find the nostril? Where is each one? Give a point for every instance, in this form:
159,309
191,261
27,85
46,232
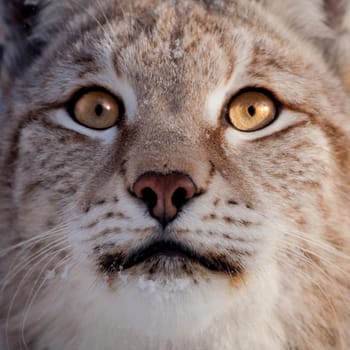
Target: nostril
179,198
149,197
164,195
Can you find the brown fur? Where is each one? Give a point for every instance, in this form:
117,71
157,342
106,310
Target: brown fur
271,207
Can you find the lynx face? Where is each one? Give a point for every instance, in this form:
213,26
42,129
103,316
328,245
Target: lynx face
174,175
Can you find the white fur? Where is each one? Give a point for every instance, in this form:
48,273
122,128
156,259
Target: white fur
283,121
168,315
86,310
61,117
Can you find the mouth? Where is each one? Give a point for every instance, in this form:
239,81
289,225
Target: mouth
165,252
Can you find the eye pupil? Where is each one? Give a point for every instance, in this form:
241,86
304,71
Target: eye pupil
251,111
99,110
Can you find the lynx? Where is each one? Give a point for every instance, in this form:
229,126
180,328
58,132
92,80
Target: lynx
175,175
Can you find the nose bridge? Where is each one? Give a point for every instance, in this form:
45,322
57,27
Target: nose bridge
163,150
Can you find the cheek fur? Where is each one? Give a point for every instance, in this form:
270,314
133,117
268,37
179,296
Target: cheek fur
265,247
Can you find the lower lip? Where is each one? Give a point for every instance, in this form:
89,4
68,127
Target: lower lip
177,262
164,260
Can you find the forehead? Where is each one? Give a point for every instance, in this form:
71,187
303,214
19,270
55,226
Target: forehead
177,47
170,38
172,52
178,54
169,41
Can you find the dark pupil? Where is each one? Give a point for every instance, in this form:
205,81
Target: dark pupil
99,110
251,110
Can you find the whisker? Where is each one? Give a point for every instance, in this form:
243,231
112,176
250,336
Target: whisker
280,257
19,286
32,296
302,258
320,244
53,232
308,238
12,273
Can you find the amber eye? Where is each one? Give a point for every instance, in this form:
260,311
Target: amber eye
97,110
251,111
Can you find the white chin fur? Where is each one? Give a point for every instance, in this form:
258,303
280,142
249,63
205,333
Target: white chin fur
136,314
84,313
163,308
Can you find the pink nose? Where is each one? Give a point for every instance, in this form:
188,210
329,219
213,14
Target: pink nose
164,195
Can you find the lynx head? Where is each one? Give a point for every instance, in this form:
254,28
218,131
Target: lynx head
175,174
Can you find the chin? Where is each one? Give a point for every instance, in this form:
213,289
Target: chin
165,289
177,307
169,309
140,311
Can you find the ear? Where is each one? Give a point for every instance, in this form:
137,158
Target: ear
338,51
26,27
324,23
17,19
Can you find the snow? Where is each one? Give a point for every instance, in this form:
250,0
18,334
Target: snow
165,286
65,273
50,275
161,286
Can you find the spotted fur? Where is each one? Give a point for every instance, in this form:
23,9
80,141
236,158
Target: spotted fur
271,207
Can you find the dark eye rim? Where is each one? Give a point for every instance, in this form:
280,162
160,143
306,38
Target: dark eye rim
84,91
266,92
